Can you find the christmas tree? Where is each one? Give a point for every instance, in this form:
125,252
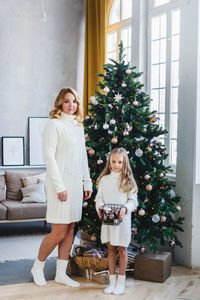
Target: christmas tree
120,116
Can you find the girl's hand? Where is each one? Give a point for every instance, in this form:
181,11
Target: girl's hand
62,196
122,213
98,212
87,195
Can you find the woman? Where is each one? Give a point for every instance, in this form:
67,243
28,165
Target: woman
67,174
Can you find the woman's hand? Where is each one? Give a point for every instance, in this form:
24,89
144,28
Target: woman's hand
62,196
122,213
87,195
98,212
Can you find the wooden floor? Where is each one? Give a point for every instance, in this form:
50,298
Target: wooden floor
182,284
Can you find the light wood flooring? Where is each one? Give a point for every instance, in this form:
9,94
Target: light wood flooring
183,284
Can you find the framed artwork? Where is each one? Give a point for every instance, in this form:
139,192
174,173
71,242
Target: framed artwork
13,151
36,127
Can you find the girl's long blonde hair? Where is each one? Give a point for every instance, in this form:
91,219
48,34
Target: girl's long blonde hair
55,113
127,181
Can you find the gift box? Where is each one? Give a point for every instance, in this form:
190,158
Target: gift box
95,253
153,267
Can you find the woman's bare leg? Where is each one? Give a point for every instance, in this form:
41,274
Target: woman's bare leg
112,258
64,246
123,260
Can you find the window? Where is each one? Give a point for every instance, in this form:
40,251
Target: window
118,27
164,24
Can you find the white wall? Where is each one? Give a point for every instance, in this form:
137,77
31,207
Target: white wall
37,59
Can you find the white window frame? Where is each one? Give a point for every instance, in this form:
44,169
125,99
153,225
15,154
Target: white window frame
153,12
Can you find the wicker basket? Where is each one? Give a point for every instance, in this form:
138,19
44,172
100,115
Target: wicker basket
93,263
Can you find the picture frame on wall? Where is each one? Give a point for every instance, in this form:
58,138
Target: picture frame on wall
36,127
13,151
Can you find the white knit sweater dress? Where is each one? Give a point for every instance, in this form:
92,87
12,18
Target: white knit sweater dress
67,169
109,193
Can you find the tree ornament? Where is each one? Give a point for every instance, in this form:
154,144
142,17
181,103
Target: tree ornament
142,249
87,117
172,244
138,92
146,200
109,132
163,219
153,119
141,212
125,133
114,140
172,193
149,187
178,207
156,218
112,122
147,176
99,161
162,203
118,97
87,139
135,103
134,229
106,89
128,71
91,152
124,84
149,149
93,100
93,237
162,175
139,152
129,128
105,126
85,204
95,126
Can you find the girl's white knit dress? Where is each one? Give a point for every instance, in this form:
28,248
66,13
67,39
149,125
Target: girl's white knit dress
109,193
67,169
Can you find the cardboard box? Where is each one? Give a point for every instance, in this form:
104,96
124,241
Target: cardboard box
153,267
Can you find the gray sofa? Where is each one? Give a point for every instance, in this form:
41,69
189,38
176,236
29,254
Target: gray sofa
11,207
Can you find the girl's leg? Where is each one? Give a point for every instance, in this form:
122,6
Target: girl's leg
120,286
64,248
112,257
48,244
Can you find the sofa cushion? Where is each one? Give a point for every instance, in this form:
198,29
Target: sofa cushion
18,211
14,184
2,188
34,193
3,210
34,179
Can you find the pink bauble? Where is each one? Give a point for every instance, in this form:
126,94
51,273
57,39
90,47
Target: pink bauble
147,176
149,187
141,212
135,103
91,151
125,133
112,122
163,219
99,161
114,140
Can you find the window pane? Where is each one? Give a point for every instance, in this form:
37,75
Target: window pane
175,73
155,52
163,26
155,28
126,9
162,75
174,119
175,21
160,2
115,13
155,77
155,97
111,41
175,47
173,152
162,101
163,50
175,99
161,120
126,36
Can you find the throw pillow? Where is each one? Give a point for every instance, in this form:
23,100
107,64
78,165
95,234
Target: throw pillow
33,179
2,188
33,193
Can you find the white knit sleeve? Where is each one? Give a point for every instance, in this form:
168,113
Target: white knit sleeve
87,183
132,202
99,195
50,140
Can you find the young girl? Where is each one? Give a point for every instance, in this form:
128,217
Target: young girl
116,185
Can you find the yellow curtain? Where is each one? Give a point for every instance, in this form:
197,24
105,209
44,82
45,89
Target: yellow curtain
94,47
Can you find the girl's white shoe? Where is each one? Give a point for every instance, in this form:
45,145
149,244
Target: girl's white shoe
61,276
109,289
120,286
38,272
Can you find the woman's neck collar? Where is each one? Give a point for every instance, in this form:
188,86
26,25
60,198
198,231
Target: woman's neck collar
115,174
67,117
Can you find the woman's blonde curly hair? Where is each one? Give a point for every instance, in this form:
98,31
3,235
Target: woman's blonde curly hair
55,113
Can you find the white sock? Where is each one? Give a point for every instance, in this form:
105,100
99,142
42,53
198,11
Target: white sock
61,276
109,289
38,272
120,286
